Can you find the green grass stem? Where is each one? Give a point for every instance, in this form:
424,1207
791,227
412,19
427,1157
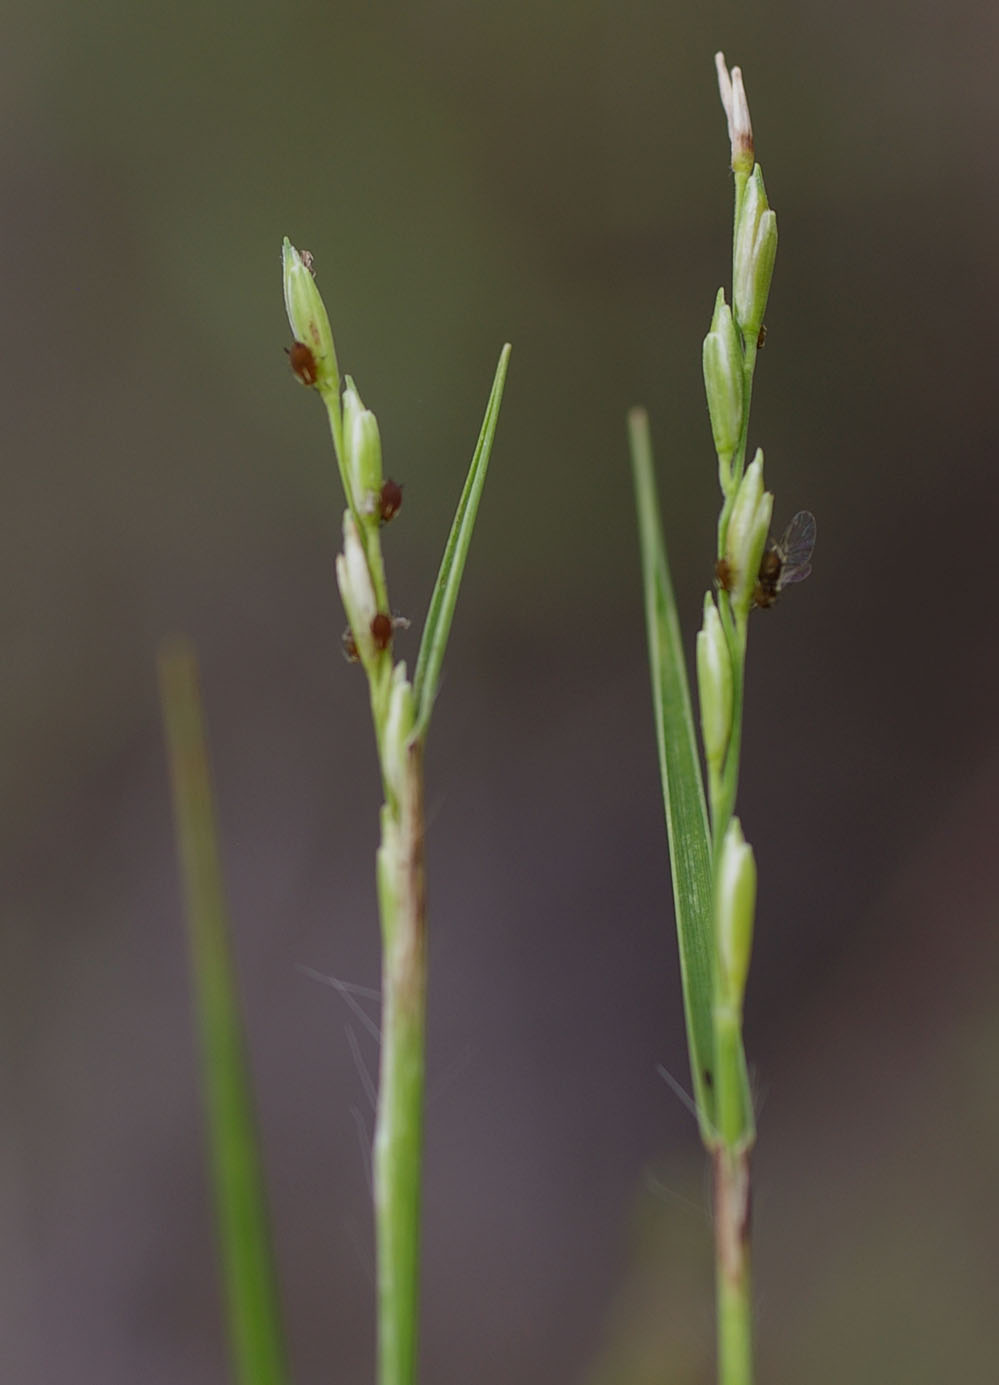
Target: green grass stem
398,1150
250,1285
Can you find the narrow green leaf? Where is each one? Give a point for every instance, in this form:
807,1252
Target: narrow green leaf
256,1336
683,789
442,604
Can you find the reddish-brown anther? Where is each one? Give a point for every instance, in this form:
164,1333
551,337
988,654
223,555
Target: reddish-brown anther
389,501
381,630
302,362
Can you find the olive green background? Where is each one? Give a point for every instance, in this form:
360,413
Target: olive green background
554,175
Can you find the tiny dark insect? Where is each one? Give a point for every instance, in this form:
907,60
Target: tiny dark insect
761,337
381,630
302,362
350,652
786,561
723,574
389,501
306,258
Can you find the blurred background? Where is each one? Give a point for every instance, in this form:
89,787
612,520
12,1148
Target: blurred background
557,176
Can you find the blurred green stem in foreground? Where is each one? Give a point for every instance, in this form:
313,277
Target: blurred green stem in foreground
255,1330
401,712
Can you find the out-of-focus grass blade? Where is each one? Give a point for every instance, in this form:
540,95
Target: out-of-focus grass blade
442,604
256,1336
680,769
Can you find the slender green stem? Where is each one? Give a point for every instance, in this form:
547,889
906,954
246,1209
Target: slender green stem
399,1129
734,1307
734,1111
379,692
255,1330
334,412
740,178
723,788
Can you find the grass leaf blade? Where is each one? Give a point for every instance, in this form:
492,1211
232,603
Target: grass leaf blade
680,770
256,1334
438,625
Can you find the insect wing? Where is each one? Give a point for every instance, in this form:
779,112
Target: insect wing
795,549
